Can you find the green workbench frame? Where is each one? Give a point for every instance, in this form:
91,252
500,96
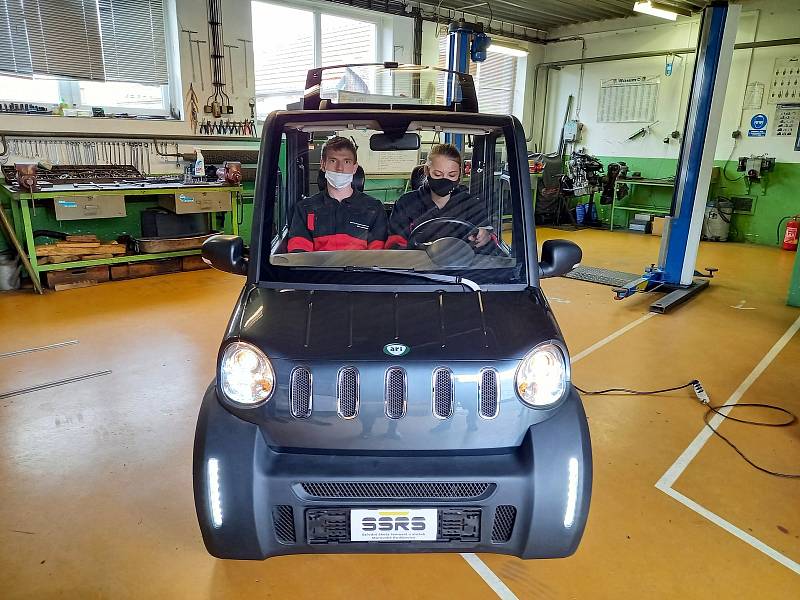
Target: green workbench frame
653,210
22,202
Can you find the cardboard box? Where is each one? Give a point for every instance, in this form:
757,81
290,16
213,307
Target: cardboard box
658,226
192,201
89,206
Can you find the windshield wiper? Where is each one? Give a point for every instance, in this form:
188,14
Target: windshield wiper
468,283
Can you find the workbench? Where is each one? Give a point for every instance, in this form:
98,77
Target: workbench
24,202
632,183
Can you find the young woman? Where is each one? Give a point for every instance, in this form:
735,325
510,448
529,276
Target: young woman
440,196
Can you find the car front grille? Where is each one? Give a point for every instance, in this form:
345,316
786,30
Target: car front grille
395,390
347,392
395,393
442,393
444,490
488,394
300,392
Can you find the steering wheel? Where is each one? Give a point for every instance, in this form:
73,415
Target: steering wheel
412,241
446,251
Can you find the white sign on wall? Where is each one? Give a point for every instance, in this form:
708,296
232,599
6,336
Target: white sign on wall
628,100
785,81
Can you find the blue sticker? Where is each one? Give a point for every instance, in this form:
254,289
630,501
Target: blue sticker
185,199
68,204
759,121
757,133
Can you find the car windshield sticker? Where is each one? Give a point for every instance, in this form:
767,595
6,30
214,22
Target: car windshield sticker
396,349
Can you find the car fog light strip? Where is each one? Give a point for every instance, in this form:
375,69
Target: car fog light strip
572,492
214,497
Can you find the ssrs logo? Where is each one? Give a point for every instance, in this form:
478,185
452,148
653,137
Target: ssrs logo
394,523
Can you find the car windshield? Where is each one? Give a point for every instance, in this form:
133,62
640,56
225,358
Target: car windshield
352,197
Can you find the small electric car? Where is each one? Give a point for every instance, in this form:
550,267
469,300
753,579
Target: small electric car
392,400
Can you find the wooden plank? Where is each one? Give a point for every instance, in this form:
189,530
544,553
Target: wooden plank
77,245
55,249
90,237
96,256
59,287
55,260
145,268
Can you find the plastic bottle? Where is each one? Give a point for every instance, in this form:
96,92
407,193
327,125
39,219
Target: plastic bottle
199,164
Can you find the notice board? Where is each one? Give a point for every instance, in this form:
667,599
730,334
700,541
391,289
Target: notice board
628,100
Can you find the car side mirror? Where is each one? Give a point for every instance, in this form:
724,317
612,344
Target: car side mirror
558,258
226,253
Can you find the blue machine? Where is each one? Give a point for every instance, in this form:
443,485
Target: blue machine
675,272
466,40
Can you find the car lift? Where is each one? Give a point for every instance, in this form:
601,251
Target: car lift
675,272
465,41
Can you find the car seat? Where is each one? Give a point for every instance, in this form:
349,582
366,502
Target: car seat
417,177
358,179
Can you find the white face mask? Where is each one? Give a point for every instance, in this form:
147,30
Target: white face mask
339,180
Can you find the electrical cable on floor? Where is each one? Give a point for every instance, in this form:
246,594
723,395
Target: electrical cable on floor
702,396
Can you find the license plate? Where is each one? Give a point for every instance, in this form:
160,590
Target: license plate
393,524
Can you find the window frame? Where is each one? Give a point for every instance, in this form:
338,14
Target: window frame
380,22
70,93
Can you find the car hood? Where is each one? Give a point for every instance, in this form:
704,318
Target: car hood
340,326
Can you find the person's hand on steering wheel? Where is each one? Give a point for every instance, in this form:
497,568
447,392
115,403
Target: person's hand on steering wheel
480,238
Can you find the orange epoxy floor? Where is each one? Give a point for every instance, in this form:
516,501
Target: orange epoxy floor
96,475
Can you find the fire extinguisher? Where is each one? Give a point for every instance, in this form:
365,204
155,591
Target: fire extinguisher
791,235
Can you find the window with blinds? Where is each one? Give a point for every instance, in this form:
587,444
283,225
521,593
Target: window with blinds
87,40
495,78
315,39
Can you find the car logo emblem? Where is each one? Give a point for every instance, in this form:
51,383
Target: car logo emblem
396,349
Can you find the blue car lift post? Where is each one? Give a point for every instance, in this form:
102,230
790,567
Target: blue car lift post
675,272
465,41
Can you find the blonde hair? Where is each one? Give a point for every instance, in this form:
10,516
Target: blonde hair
446,150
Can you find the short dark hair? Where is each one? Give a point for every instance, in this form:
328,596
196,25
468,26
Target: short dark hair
446,150
338,142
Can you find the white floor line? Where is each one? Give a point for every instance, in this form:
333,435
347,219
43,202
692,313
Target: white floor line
611,338
679,466
492,580
732,529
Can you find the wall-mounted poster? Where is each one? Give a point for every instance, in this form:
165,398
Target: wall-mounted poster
628,100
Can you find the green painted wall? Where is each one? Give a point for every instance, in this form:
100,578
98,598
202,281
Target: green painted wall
780,196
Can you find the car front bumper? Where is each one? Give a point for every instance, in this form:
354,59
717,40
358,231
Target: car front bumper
254,501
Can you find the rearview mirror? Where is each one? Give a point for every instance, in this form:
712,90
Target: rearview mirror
383,142
558,258
226,253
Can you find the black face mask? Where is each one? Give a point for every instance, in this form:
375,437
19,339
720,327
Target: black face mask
441,186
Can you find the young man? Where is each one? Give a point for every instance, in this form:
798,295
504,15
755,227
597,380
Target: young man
338,217
440,196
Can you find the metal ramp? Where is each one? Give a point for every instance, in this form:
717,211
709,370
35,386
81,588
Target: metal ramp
616,279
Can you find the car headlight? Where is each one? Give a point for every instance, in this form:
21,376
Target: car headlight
245,374
542,376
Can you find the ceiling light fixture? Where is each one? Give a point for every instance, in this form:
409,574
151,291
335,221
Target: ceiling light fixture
648,9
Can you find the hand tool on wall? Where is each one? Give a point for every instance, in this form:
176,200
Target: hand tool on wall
189,33
200,62
246,69
230,65
192,107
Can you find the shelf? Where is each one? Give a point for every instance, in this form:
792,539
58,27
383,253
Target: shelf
116,260
647,209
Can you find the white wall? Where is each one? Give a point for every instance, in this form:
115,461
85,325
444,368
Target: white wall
776,19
